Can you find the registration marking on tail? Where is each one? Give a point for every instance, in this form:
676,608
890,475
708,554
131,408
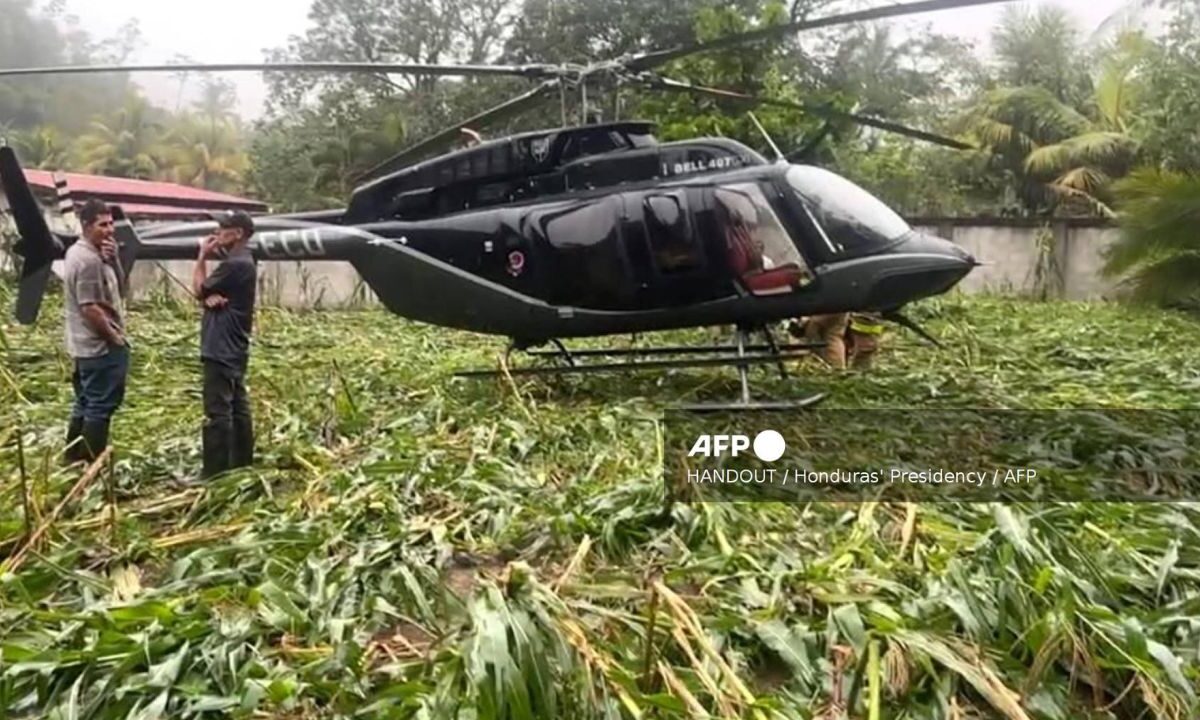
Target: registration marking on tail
283,244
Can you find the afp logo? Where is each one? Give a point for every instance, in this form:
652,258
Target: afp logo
768,445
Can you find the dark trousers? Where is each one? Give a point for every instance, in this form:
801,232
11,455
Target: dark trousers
228,427
99,384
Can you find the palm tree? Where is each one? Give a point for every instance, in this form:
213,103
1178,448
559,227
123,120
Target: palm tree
206,155
216,102
1158,255
1082,166
1148,17
1054,152
128,145
42,147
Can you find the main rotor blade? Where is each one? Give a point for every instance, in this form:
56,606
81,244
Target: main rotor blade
504,110
650,60
825,112
534,71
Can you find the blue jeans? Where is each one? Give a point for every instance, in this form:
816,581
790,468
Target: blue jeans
99,384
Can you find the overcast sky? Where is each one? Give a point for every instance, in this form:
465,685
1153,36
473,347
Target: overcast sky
239,30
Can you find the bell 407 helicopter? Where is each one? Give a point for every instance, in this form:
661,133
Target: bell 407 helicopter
583,231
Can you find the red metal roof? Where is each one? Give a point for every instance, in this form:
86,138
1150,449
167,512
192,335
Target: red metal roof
163,210
110,187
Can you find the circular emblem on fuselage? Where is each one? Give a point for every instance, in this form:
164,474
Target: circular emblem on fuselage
516,262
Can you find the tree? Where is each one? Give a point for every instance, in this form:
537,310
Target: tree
754,70
48,37
345,124
1059,149
42,147
127,143
204,148
1170,133
916,179
558,31
206,155
1083,165
1042,48
1158,255
282,171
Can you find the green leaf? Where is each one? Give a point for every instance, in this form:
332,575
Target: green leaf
664,702
212,703
1048,703
1171,663
850,627
1014,528
788,643
158,611
165,673
1170,558
1135,638
156,709
418,594
278,608
752,594
982,678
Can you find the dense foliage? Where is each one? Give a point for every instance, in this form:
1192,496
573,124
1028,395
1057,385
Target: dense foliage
101,123
410,546
1060,113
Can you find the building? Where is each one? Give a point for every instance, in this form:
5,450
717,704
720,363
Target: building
143,201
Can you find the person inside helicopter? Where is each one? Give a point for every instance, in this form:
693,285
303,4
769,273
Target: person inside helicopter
761,254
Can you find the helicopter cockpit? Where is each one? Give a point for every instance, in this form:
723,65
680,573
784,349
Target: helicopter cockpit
849,221
760,252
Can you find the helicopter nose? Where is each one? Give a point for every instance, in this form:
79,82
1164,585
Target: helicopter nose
920,265
924,244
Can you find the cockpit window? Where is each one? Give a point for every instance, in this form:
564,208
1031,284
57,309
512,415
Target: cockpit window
850,220
760,252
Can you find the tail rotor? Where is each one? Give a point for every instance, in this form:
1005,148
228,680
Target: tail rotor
38,245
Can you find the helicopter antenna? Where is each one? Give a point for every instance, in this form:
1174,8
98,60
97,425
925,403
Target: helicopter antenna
562,100
778,155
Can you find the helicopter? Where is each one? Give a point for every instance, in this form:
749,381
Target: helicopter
583,231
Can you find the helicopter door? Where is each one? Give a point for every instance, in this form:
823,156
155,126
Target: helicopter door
760,254
666,250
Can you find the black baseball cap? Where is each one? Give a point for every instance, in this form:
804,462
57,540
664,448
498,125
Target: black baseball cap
237,219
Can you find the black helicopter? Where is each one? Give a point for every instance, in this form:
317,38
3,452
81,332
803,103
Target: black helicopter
583,231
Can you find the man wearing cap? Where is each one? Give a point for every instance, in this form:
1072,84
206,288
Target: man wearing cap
228,296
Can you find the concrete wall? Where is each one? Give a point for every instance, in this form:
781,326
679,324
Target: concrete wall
312,285
1023,257
1063,259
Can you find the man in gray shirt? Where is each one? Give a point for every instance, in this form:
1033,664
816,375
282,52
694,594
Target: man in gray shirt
95,332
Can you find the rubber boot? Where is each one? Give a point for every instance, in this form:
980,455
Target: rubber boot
865,347
217,449
95,438
830,329
242,454
74,450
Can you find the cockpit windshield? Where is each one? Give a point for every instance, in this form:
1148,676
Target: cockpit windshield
851,220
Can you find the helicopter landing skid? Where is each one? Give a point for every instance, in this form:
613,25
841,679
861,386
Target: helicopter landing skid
745,403
742,356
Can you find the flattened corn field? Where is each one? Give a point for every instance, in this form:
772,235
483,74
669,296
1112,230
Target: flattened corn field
409,546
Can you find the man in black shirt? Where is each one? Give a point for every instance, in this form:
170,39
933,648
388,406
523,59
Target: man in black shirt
228,298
